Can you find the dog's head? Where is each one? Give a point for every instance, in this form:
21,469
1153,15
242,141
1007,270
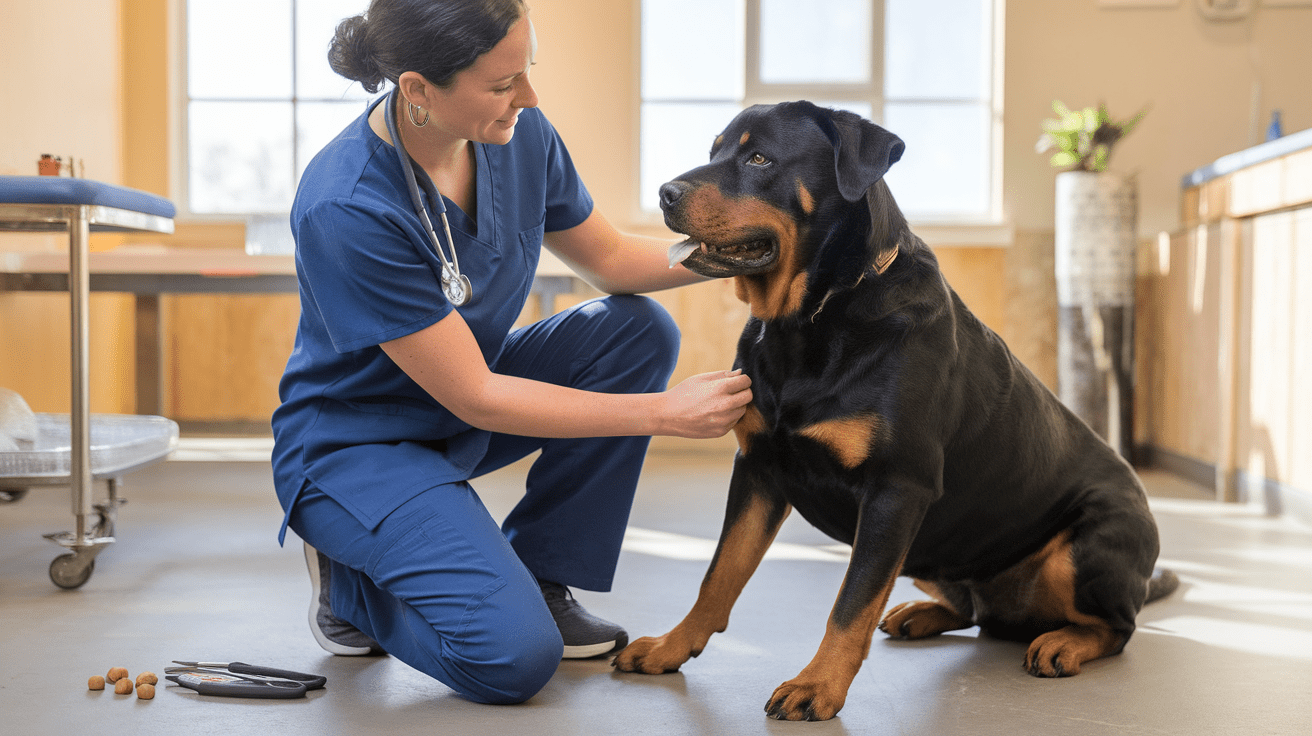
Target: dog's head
784,184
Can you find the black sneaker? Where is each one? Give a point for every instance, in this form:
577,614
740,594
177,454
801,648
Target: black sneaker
333,634
585,635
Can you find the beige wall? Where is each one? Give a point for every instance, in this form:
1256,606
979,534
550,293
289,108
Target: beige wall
60,88
60,94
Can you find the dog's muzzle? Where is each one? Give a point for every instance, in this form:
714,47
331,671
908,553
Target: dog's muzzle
749,254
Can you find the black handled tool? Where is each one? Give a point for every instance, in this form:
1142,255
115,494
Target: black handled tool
312,682
241,680
228,685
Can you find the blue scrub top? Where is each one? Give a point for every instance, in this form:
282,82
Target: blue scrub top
351,422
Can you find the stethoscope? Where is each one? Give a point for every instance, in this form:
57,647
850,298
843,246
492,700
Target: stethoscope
455,285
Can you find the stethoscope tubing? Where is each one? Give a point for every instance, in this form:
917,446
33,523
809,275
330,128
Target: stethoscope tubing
455,285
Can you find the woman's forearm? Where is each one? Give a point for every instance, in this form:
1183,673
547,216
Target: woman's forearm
520,406
616,262
445,361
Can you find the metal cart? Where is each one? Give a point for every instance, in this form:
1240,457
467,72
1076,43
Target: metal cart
79,207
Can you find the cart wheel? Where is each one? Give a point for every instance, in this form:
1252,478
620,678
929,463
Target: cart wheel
70,571
12,495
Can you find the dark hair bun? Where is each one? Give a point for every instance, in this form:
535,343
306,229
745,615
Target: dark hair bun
351,55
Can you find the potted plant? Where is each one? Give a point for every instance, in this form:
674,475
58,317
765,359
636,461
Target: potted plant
1095,222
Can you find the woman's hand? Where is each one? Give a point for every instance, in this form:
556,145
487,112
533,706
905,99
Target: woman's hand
707,405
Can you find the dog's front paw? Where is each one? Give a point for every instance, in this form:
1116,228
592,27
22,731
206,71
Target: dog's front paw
806,700
654,655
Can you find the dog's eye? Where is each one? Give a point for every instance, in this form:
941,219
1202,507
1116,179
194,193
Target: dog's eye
758,160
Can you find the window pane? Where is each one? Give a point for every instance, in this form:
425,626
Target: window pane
938,49
945,169
316,22
240,156
239,48
692,49
317,123
675,138
823,41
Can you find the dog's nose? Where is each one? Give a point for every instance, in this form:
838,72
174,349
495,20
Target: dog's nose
672,192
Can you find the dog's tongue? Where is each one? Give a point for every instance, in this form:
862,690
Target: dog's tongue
680,251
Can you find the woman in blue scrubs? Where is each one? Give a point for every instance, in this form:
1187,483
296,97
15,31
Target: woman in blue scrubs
393,398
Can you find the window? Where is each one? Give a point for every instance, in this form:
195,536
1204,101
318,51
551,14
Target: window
260,100
924,70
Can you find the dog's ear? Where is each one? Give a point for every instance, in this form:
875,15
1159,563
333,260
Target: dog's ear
863,153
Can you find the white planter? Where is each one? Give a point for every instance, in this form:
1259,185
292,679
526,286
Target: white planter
1096,217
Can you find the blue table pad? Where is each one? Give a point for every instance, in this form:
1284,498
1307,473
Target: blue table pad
59,190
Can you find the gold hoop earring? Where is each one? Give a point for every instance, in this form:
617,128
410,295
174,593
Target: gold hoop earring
410,110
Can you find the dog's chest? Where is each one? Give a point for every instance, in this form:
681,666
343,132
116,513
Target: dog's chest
813,438
817,402
815,469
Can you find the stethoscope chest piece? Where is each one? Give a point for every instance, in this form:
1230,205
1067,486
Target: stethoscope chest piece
455,285
457,288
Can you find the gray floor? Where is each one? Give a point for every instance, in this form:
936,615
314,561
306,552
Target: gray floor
197,574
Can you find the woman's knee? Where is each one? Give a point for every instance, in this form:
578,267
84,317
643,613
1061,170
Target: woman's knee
519,672
511,653
646,310
654,331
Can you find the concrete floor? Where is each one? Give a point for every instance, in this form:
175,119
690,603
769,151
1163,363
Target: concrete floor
197,574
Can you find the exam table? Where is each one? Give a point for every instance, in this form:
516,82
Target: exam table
80,448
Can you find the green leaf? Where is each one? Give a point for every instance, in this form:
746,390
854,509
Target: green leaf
1090,119
1064,158
1100,156
1129,124
1052,126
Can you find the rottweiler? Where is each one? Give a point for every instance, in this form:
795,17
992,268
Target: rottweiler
893,420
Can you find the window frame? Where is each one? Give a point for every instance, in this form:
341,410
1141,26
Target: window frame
180,127
988,229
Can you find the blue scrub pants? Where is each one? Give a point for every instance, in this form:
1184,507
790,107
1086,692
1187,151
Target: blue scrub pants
445,590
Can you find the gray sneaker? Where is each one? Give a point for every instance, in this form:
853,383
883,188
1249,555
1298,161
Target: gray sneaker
585,635
333,634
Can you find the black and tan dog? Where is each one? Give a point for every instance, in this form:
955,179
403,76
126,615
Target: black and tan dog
892,420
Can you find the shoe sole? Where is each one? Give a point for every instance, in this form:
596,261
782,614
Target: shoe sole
330,646
588,651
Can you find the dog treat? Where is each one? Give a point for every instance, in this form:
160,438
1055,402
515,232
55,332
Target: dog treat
145,691
123,686
147,678
116,673
96,682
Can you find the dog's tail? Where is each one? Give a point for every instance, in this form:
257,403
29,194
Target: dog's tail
1161,584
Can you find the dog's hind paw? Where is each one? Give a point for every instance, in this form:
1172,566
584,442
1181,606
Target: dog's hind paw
1060,653
922,619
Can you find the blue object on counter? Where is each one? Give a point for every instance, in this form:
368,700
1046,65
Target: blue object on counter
1274,130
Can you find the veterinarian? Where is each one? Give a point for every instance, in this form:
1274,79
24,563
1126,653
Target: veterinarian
393,398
